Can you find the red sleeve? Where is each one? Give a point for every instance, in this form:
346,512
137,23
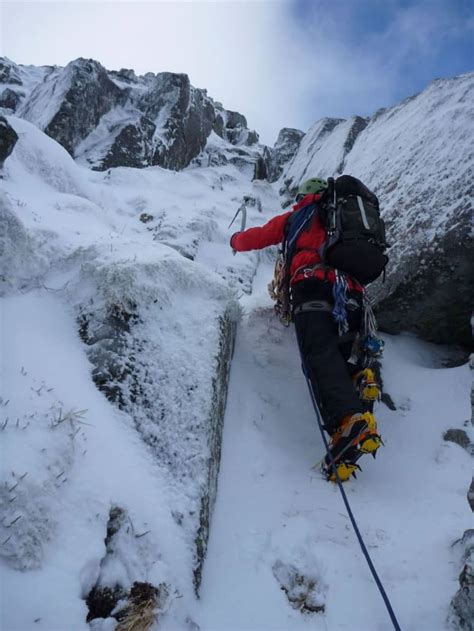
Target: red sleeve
257,238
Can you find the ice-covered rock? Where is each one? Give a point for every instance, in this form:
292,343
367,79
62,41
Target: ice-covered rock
283,151
462,605
108,118
70,102
143,324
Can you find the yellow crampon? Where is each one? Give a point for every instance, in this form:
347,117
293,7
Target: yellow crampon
344,471
370,444
366,441
367,386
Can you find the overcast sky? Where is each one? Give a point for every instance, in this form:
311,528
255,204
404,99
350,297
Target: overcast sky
281,63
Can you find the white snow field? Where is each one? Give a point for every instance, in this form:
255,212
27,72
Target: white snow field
72,238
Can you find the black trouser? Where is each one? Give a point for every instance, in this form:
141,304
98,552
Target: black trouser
324,354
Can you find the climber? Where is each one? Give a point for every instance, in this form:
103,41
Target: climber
347,417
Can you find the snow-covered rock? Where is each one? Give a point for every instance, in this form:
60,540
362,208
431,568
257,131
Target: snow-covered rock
107,118
284,149
70,102
462,605
8,138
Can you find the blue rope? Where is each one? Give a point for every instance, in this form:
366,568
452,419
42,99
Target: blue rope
378,582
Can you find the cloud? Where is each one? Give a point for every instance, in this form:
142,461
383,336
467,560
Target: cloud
364,55
279,62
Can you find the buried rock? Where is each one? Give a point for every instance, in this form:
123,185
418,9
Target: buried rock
461,615
304,591
134,604
460,437
8,139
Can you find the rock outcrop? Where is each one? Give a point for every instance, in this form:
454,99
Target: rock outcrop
177,413
8,138
285,148
107,119
462,605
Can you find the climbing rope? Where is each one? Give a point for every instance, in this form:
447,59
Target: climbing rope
339,312
370,323
377,580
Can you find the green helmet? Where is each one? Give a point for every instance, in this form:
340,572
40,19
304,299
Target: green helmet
312,186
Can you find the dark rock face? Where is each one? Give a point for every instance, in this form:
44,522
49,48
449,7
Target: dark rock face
462,605
133,121
358,126
434,299
9,72
8,139
9,99
187,119
235,130
133,146
90,95
285,148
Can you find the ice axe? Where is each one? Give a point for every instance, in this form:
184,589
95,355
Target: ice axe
243,209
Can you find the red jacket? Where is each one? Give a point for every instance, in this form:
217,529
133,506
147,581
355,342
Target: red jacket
307,246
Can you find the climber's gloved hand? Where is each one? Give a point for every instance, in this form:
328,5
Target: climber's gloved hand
232,241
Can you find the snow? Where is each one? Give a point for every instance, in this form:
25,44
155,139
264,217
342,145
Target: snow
46,98
30,77
101,464
321,139
73,246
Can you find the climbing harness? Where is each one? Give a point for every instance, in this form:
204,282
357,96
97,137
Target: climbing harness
333,466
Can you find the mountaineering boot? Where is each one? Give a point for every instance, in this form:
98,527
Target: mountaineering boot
366,385
356,436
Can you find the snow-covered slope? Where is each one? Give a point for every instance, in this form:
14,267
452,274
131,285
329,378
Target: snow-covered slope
280,531
113,261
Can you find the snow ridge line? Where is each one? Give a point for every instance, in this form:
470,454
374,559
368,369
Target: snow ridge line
365,552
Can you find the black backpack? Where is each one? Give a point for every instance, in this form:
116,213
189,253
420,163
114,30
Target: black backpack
356,233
